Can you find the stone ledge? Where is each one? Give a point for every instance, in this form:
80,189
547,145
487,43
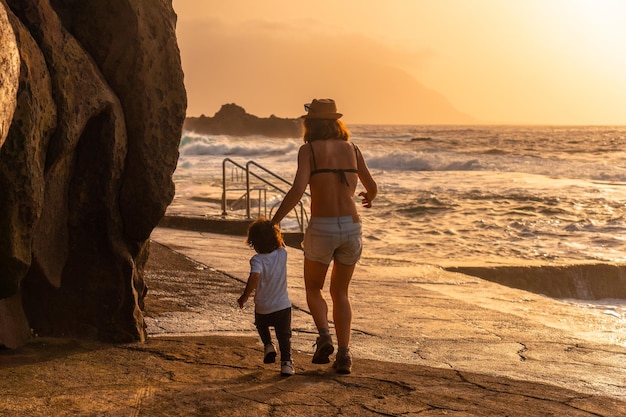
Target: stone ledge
580,281
222,224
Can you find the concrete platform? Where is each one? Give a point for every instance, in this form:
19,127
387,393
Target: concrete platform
421,314
229,225
426,342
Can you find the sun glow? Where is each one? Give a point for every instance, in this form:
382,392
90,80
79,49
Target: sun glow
600,26
499,61
587,44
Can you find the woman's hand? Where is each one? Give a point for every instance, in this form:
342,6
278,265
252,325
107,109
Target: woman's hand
365,200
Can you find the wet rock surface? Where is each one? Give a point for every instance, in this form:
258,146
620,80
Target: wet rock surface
223,375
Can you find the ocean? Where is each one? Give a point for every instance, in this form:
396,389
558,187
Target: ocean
447,194
542,197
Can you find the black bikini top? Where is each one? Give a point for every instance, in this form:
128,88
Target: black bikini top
339,171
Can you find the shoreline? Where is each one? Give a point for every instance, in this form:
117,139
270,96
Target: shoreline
563,280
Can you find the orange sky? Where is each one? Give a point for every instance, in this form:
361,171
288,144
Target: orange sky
409,61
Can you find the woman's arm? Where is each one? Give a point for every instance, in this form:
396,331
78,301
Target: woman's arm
367,180
300,183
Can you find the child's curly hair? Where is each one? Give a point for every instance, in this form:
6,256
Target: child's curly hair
264,236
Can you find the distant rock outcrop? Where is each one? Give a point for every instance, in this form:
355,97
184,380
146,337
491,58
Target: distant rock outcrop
233,120
92,104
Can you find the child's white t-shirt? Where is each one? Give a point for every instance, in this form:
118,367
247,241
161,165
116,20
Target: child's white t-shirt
271,291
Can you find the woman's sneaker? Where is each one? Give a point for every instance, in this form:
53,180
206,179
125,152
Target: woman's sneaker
286,368
270,354
343,362
323,350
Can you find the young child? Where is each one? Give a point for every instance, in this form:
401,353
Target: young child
268,278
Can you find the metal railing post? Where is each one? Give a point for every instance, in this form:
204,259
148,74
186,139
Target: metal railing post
224,187
248,192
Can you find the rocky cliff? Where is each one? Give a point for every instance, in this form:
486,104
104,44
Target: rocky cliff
233,120
92,104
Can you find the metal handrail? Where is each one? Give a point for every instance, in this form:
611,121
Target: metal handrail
301,219
224,183
247,169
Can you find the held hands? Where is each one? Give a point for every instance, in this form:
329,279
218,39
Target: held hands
365,201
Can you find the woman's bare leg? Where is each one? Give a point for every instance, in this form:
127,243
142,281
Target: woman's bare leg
314,278
342,310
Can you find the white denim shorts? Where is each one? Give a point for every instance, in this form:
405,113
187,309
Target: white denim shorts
338,238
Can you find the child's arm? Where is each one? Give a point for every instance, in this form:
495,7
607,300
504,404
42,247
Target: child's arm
253,280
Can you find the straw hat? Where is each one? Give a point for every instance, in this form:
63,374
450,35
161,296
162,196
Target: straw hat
324,108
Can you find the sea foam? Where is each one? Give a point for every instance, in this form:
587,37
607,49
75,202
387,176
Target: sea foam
526,193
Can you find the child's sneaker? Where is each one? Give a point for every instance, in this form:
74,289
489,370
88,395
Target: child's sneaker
343,362
286,368
323,350
270,353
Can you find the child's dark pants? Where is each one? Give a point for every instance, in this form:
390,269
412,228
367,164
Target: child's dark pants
281,322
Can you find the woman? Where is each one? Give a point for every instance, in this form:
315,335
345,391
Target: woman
331,166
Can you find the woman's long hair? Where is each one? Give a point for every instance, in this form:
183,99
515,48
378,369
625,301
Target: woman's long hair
322,129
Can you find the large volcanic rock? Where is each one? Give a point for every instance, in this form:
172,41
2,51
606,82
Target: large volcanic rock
92,105
233,120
